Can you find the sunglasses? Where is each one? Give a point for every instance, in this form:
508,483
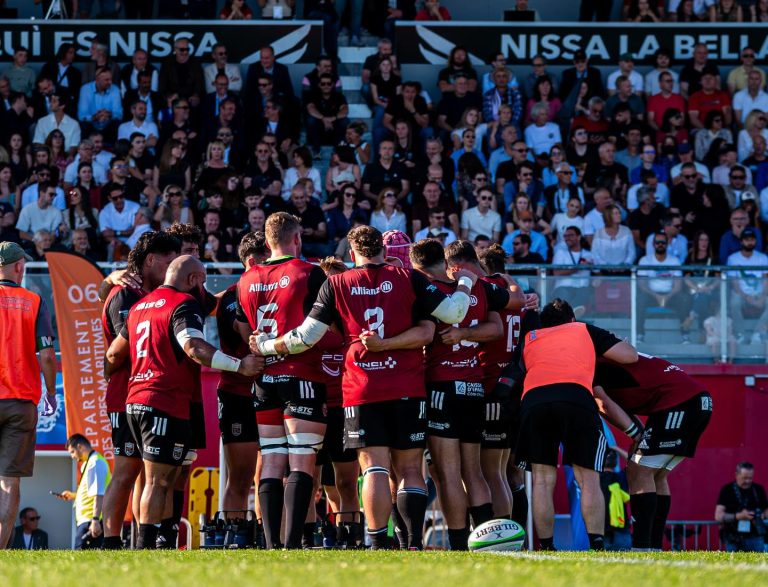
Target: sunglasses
175,193
689,176
351,194
183,49
738,177
224,135
657,243
521,150
480,178
526,175
325,85
264,85
262,151
389,195
748,55
181,107
116,198
516,243
33,518
485,199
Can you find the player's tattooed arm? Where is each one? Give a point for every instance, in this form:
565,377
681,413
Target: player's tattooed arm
491,329
415,337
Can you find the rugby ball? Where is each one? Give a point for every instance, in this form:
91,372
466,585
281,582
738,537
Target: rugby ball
497,536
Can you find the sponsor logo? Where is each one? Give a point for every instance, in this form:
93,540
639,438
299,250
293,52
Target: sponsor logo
302,410
237,429
496,530
493,437
257,287
386,286
390,363
129,448
178,452
472,300
150,305
706,404
355,433
472,362
671,443
673,368
359,290
152,450
417,436
470,389
284,281
438,425
148,374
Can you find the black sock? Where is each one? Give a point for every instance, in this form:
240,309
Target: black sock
401,531
147,537
643,513
259,540
480,514
663,503
547,543
271,502
412,505
308,535
298,495
112,543
458,538
379,539
596,542
178,506
520,506
167,534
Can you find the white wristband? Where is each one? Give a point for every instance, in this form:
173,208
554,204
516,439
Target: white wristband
267,347
223,362
466,282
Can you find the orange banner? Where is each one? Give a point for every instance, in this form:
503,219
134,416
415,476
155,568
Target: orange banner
75,281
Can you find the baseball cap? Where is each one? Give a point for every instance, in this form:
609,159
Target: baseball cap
684,148
626,57
748,196
397,244
748,233
10,253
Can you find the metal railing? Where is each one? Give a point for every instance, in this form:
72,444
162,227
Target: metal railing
687,535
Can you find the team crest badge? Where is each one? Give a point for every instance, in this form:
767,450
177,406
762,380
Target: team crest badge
178,452
237,429
129,448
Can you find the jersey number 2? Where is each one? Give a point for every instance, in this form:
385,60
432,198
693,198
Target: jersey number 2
142,330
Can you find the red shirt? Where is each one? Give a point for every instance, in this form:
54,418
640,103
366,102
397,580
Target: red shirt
232,344
658,104
706,103
423,14
495,355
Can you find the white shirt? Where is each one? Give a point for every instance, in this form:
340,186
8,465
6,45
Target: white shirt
652,82
134,81
764,205
751,282
662,280
450,236
746,103
137,232
635,79
542,138
69,127
700,167
33,218
31,193
147,128
292,178
564,256
99,172
232,72
561,221
380,221
593,221
618,250
476,223
745,144
118,221
662,195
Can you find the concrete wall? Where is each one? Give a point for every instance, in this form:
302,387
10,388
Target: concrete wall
52,473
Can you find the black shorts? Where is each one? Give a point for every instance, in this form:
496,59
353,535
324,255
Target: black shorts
123,440
500,427
399,424
163,438
333,450
18,432
196,426
455,409
300,399
237,418
545,425
676,431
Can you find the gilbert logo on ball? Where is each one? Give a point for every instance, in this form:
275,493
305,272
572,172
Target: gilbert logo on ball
496,536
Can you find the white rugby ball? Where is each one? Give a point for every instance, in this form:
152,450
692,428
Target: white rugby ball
496,536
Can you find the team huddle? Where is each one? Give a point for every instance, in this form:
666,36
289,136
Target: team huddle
330,373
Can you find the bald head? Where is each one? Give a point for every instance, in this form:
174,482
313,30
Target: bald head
185,273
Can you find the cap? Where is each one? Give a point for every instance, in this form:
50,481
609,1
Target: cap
748,232
10,253
579,55
435,231
626,57
684,148
748,196
5,207
397,244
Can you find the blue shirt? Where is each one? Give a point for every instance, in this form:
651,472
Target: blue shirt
92,101
730,244
538,243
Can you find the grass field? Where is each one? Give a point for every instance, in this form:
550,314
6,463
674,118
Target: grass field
372,569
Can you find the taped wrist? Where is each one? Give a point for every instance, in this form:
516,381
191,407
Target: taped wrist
223,362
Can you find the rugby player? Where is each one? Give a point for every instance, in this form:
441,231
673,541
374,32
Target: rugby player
558,407
456,398
383,382
149,259
500,428
678,410
163,336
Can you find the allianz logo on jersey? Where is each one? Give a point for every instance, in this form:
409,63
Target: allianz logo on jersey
259,287
149,305
390,363
357,290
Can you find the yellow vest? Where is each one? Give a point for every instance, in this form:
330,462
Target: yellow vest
85,504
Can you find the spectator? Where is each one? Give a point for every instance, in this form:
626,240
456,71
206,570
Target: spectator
116,218
594,219
436,157
353,138
181,76
648,163
663,100
539,69
385,172
371,64
327,112
85,154
89,495
525,182
685,155
235,10
748,286
522,254
220,66
454,103
10,193
481,219
646,218
606,172
458,66
408,106
343,170
727,158
742,508
689,10
758,12
627,70
212,168
661,287
737,189
750,99
99,58
432,199
624,95
324,10
502,95
549,171
738,78
468,146
575,287
81,245
268,79
594,121
644,11
61,75
730,242
542,135
100,106
571,217
385,85
652,84
172,208
507,152
436,228
42,242
345,213
314,228
28,535
129,74
302,168
8,230
433,11
537,243
139,124
725,11
581,71
703,282
19,157
692,72
80,215
386,216
648,180
310,82
677,243
754,127
41,215
714,128
20,76
631,156
543,92
60,121
17,119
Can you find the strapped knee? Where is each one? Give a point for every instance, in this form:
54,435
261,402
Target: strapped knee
304,443
376,470
277,445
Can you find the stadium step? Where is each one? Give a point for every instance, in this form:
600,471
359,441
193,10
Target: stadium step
351,82
358,111
355,54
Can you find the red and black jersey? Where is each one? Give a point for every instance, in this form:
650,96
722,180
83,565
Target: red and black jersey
495,355
162,376
232,343
651,385
274,298
113,316
387,300
458,362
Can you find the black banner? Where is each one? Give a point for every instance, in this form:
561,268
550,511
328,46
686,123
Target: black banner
293,41
419,43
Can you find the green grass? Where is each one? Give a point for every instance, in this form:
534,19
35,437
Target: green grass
372,569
